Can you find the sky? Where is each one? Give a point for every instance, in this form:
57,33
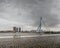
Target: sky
26,14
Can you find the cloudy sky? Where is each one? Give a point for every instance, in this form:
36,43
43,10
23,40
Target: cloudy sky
26,14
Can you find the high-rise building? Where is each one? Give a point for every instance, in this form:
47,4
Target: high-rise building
14,29
19,29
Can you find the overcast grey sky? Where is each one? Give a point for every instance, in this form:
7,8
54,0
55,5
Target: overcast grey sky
26,13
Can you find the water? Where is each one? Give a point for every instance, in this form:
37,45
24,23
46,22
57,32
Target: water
29,40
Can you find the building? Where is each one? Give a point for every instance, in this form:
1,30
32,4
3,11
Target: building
16,29
19,29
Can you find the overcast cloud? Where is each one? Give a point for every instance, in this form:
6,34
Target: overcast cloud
26,13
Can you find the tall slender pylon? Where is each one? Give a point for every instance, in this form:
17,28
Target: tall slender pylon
39,27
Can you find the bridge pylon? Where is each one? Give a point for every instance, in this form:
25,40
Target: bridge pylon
39,27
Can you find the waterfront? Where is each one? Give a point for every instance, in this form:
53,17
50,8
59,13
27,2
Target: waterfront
29,40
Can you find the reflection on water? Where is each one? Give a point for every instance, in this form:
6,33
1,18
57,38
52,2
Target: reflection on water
26,40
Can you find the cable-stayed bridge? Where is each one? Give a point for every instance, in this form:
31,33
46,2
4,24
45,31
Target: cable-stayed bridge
39,29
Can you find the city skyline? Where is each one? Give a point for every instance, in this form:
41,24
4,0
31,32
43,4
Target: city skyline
26,14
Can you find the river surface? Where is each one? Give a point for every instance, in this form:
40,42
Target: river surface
30,40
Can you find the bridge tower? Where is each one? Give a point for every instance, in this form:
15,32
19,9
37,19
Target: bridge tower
39,27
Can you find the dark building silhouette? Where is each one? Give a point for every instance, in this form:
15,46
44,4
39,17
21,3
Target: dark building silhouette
14,29
19,29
